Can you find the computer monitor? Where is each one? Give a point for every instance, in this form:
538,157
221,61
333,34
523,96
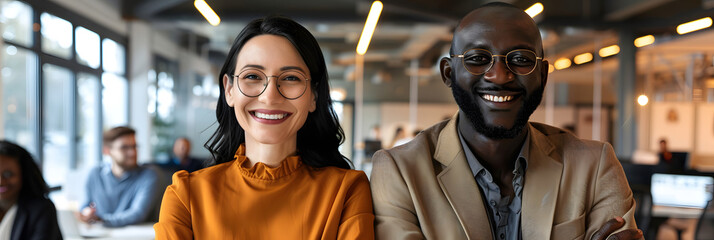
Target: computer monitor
677,164
371,146
681,190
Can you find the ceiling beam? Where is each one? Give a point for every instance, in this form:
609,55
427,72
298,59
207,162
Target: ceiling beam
146,9
619,10
423,38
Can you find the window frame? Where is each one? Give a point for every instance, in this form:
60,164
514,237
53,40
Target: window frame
43,6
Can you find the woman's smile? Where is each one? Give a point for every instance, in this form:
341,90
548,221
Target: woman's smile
269,116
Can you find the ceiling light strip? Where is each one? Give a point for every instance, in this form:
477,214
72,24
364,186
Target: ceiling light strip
369,27
535,9
695,25
207,12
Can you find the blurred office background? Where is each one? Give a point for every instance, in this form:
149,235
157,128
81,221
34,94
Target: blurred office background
74,68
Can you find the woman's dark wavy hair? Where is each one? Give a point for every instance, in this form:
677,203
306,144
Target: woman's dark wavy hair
319,138
33,185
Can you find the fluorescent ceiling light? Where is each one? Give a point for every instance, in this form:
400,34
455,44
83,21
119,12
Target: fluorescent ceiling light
694,25
609,51
207,12
562,63
369,27
644,41
534,10
583,58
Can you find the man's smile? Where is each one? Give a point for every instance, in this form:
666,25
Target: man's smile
499,96
494,98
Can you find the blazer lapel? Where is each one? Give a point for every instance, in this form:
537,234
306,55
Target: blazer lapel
459,185
19,223
541,187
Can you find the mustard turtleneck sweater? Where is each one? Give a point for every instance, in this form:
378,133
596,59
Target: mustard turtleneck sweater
291,201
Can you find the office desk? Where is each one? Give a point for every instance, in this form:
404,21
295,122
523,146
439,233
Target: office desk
73,229
676,212
144,231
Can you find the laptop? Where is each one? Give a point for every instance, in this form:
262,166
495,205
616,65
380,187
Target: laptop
72,228
681,196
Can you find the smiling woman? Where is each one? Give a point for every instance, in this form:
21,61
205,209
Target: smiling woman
276,169
25,210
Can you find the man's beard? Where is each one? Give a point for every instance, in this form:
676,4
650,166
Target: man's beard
470,107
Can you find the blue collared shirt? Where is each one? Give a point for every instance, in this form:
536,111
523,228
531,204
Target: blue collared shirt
505,215
120,201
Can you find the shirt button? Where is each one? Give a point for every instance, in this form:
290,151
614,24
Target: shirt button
493,203
502,236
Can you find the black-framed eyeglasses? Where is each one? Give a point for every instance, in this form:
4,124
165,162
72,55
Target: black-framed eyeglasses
478,61
253,82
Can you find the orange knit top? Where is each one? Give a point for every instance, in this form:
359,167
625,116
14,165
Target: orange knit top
291,201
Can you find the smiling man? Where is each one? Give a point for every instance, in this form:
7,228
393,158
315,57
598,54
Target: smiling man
119,193
488,173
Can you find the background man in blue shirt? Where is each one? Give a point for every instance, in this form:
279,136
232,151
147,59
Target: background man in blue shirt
119,193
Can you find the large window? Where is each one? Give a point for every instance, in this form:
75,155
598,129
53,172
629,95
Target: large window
88,122
115,102
56,35
17,22
56,123
18,98
63,83
87,47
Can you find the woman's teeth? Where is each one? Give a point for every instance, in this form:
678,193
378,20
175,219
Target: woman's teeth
493,98
271,116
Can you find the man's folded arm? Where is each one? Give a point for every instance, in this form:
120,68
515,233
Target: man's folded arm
395,216
613,196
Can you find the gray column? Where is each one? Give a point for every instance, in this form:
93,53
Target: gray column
140,62
625,124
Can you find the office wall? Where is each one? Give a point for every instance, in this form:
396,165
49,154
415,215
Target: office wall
673,121
705,129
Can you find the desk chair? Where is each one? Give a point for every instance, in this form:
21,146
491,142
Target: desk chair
705,225
643,212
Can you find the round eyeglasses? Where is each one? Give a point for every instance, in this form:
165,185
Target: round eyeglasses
478,61
253,82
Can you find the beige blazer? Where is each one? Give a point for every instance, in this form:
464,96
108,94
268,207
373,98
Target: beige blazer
425,189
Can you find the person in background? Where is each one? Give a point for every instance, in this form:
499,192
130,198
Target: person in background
488,173
668,163
25,210
119,193
375,133
182,159
406,139
399,135
276,170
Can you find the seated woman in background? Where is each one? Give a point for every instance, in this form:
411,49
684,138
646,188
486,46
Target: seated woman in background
277,173
25,210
